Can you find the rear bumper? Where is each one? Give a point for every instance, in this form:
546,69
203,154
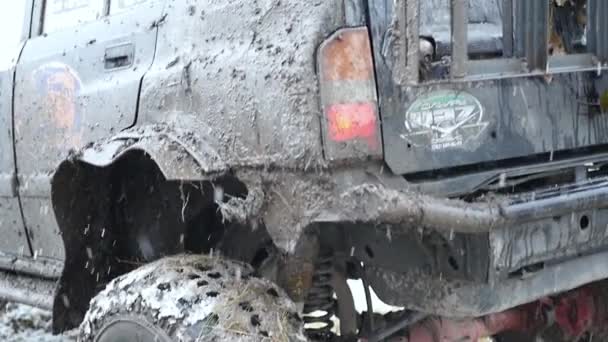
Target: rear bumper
539,243
377,204
442,298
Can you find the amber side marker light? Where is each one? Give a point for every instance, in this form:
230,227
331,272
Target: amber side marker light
351,125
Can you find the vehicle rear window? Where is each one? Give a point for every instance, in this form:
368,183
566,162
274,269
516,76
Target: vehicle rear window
119,6
61,14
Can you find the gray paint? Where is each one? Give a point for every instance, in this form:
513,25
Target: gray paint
465,300
250,95
183,88
14,238
190,159
69,91
253,91
43,232
524,117
49,269
27,290
548,239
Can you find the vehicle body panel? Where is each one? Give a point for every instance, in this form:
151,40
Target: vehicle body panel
515,119
74,86
14,239
248,85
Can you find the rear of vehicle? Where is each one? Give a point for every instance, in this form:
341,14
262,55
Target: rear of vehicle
494,111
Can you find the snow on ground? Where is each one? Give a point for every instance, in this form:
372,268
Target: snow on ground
21,323
356,287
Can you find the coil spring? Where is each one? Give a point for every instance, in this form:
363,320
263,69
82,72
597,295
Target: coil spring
320,305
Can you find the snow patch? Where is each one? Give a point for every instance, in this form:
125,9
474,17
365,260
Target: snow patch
22,323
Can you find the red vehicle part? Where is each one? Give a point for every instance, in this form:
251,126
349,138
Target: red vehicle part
574,314
578,312
524,319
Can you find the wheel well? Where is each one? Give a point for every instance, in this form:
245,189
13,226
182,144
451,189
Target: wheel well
116,218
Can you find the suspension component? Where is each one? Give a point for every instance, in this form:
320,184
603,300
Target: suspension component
320,305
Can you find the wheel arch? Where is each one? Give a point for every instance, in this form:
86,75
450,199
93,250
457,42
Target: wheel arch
83,190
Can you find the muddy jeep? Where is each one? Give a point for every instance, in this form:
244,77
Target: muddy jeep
199,170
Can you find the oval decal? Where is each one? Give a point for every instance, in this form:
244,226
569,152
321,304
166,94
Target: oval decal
60,87
444,119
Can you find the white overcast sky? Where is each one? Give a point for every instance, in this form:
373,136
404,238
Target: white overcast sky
12,13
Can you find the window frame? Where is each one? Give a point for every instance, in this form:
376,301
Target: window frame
27,25
108,8
39,14
36,27
464,69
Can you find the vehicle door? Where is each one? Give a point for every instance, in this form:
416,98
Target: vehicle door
77,81
492,87
14,28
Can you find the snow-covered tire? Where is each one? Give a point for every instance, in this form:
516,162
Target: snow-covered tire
192,298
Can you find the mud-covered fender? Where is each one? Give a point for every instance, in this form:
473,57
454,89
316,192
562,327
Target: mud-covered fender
81,192
180,154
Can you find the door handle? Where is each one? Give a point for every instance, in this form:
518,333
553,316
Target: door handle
119,56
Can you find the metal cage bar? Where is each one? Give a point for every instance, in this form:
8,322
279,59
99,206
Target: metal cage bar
460,40
507,29
597,28
526,28
406,70
412,29
534,19
520,29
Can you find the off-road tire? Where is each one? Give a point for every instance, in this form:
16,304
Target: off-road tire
193,298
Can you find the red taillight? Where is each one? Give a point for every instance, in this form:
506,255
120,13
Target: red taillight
348,94
353,121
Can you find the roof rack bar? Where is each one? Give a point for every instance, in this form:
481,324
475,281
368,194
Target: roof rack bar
507,29
535,18
460,28
597,35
